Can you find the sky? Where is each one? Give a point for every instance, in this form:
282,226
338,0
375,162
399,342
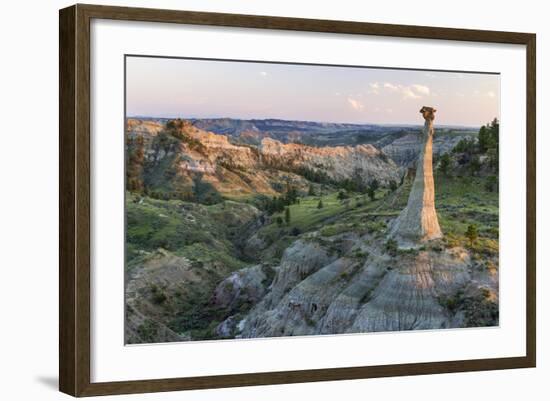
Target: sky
192,88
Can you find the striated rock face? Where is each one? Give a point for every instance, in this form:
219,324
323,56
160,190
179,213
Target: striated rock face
247,285
235,170
280,312
218,149
409,297
418,221
339,162
329,295
405,150
299,260
237,293
136,127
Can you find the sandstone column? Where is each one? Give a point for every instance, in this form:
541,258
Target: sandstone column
418,221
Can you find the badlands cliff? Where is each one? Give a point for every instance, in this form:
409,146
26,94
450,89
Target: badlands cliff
236,169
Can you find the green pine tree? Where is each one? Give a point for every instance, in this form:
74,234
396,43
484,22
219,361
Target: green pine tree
472,233
371,189
445,164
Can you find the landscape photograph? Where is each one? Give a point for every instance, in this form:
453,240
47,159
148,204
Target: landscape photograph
268,199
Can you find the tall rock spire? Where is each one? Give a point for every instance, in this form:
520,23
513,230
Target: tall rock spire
418,221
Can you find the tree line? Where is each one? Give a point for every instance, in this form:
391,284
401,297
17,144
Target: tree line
469,152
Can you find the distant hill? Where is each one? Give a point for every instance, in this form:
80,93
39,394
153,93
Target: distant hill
290,131
170,158
396,141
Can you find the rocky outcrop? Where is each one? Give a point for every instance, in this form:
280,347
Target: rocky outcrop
338,162
236,294
409,297
245,286
399,145
145,128
404,151
418,222
314,290
184,151
415,290
299,260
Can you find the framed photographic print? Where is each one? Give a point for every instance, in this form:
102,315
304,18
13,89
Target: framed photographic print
250,200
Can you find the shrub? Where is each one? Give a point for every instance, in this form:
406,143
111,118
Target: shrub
375,226
445,164
360,254
471,233
334,229
391,247
342,195
371,189
466,145
371,193
158,297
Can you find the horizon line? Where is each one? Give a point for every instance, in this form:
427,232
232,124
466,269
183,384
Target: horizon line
303,121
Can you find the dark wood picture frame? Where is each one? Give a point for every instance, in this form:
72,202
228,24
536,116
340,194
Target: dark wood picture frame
74,199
